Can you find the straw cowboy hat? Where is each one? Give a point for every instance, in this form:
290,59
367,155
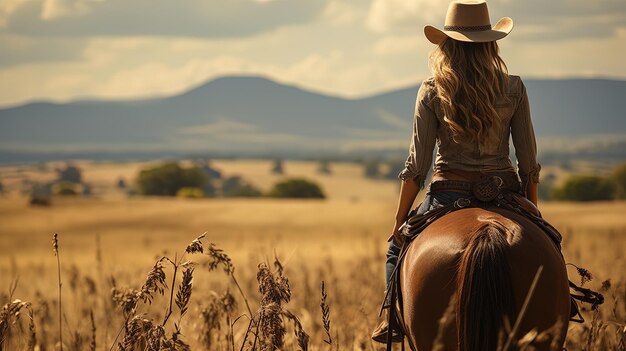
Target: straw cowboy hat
469,21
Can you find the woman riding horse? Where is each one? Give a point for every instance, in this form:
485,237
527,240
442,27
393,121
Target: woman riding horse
484,258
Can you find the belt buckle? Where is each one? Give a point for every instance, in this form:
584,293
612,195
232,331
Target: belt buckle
488,190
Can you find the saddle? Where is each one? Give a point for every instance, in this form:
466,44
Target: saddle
488,192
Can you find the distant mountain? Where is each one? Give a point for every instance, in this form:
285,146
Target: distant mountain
248,116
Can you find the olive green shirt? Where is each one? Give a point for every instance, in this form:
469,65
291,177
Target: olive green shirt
429,129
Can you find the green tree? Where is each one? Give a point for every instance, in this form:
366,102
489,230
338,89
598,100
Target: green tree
166,179
235,186
296,188
586,188
619,176
69,174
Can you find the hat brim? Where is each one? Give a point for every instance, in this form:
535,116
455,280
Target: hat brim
502,28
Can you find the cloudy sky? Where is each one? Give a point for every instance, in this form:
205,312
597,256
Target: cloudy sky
67,49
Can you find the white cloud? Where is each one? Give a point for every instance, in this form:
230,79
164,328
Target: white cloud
7,8
52,9
389,15
401,44
195,18
557,19
335,53
341,12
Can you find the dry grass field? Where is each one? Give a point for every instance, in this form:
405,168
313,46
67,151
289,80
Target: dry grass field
109,243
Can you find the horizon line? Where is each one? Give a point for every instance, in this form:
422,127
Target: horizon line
92,98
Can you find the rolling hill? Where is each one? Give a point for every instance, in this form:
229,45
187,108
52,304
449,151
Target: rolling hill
255,116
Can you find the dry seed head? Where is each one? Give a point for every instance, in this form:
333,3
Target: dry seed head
278,265
212,314
125,298
219,257
92,341
606,285
325,314
274,289
175,343
32,335
184,291
301,336
228,302
585,275
136,330
9,314
155,338
272,329
55,244
155,282
196,245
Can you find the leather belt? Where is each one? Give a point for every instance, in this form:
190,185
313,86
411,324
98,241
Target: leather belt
485,190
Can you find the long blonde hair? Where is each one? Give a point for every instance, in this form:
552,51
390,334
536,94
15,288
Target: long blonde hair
469,77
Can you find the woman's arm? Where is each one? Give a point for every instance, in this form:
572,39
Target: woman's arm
421,148
408,192
532,192
523,136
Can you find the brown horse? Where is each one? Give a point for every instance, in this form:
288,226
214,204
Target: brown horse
486,260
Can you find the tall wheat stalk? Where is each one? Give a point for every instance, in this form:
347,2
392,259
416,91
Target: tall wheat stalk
326,316
55,248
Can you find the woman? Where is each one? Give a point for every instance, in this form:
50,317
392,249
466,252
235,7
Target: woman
469,108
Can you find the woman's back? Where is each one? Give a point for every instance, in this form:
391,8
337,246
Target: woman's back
461,156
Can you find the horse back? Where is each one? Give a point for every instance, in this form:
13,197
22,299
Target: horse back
430,279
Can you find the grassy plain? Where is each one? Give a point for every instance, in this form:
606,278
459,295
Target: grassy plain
340,240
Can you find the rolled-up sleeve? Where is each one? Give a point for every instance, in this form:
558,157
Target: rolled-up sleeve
423,140
524,141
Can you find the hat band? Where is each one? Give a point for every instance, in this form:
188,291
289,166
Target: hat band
467,28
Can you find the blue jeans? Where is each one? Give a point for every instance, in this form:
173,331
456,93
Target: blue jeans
431,201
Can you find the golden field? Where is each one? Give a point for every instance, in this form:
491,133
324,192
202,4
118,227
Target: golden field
340,240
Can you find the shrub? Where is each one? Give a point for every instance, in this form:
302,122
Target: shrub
236,187
324,167
619,176
395,168
586,188
372,169
546,186
277,167
69,174
40,194
168,178
212,173
190,193
296,188
66,189
87,190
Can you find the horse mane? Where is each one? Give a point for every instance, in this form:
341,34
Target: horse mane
485,294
